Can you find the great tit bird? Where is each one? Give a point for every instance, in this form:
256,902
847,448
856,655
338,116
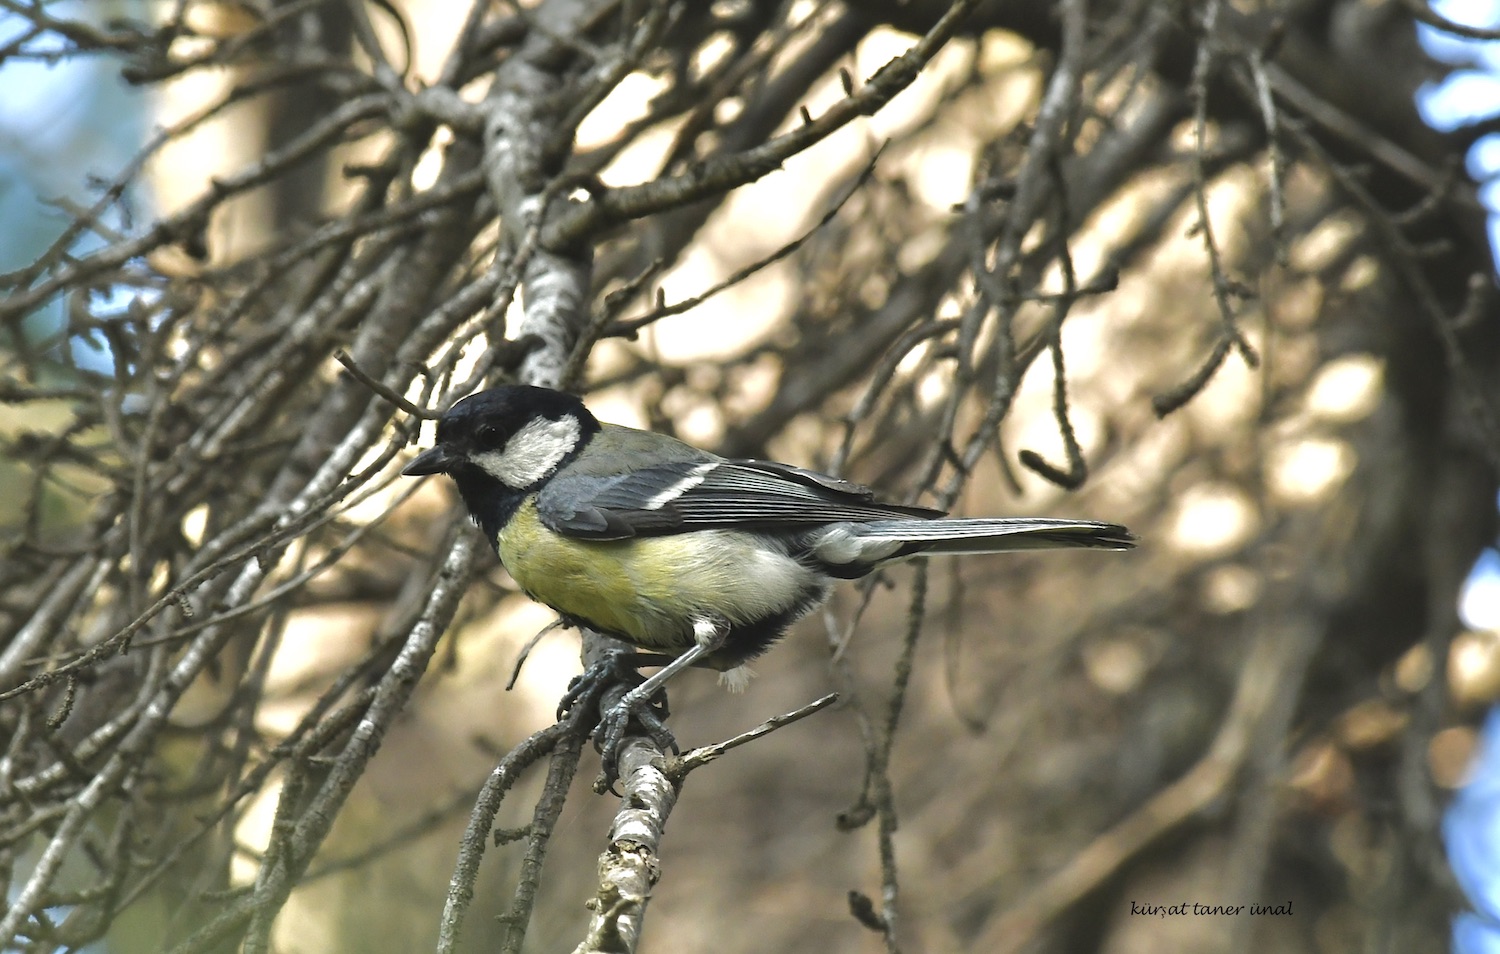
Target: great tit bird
682,553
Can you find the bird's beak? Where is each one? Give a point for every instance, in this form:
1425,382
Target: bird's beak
434,460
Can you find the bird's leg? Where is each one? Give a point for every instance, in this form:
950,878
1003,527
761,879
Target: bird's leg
708,637
619,667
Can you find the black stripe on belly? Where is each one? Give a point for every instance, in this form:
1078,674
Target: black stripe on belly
749,640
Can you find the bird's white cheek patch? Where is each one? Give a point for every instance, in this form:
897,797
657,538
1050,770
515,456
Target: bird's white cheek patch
532,452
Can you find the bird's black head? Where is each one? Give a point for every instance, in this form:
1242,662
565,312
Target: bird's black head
501,443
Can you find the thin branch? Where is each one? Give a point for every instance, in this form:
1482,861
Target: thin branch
477,835
723,173
1425,14
678,767
342,357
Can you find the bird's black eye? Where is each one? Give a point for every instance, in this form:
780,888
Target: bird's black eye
492,435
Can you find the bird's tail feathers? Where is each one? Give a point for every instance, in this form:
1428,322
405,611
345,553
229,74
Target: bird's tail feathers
879,541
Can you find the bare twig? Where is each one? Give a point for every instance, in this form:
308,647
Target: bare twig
678,767
342,357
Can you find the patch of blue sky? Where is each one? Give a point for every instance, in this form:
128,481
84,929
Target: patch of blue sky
1459,50
1469,94
1471,833
1473,934
1479,600
1462,98
1483,157
47,105
65,121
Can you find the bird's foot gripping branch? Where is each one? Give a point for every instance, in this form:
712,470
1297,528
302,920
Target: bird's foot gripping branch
614,688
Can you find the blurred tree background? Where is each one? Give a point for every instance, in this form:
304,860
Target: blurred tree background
1198,268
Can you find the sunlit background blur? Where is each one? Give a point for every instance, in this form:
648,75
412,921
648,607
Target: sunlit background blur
1258,451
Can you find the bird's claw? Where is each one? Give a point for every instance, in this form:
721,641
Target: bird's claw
649,713
588,693
589,686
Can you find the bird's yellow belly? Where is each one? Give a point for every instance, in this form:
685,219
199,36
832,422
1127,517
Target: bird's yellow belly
649,590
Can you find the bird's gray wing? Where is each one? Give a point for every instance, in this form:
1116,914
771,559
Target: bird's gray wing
681,496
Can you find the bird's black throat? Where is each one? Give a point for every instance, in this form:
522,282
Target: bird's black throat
490,503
